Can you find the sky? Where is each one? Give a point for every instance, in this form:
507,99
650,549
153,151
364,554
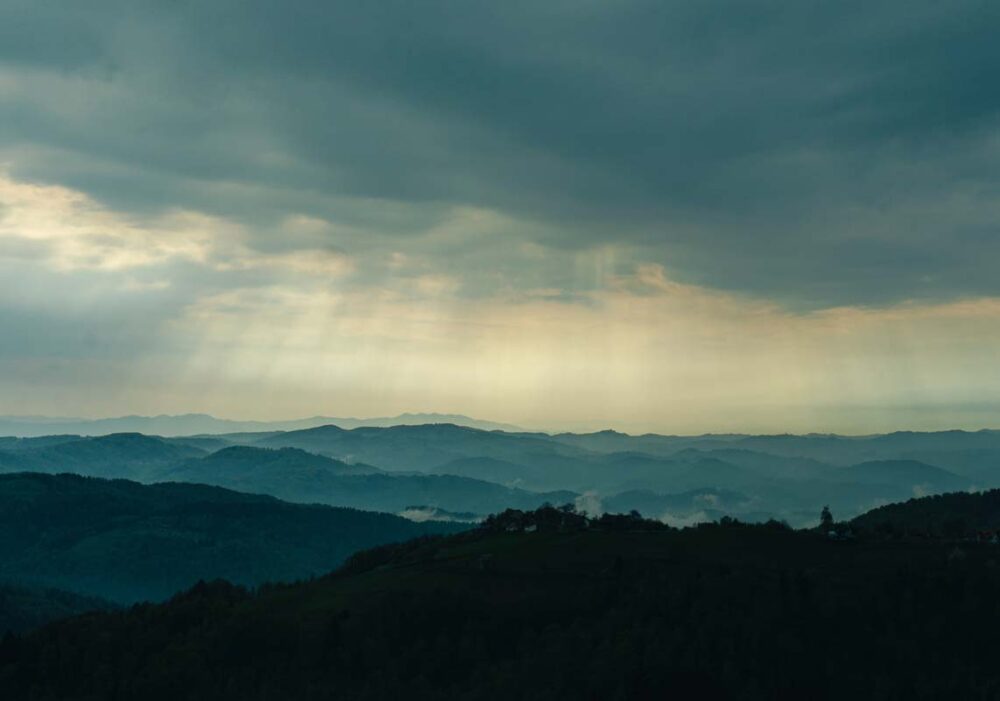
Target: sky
648,215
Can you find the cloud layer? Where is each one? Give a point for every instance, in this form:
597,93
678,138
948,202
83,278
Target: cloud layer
510,195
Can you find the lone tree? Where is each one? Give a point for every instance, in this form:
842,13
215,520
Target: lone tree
825,520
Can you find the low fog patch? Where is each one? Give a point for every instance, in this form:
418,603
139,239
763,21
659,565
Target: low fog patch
422,514
686,519
589,503
709,499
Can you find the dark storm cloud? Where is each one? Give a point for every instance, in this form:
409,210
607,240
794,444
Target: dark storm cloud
816,152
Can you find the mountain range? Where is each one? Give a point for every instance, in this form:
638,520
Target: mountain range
467,470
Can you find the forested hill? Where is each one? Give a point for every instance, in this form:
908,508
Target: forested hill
126,541
944,515
128,455
549,605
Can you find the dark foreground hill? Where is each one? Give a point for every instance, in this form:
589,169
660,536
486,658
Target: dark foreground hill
125,541
614,609
957,515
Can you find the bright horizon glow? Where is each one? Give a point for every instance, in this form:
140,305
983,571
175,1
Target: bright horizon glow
640,352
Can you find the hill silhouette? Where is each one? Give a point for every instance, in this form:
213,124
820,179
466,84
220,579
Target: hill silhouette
955,515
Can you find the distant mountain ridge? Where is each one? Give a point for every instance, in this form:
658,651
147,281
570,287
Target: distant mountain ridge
193,424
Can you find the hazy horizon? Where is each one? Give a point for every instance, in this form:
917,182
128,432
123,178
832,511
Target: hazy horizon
571,427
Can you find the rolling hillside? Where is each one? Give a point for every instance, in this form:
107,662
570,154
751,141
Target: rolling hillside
125,455
295,475
125,541
913,472
425,447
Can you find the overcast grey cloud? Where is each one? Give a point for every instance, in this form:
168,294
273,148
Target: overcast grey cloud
826,152
797,157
